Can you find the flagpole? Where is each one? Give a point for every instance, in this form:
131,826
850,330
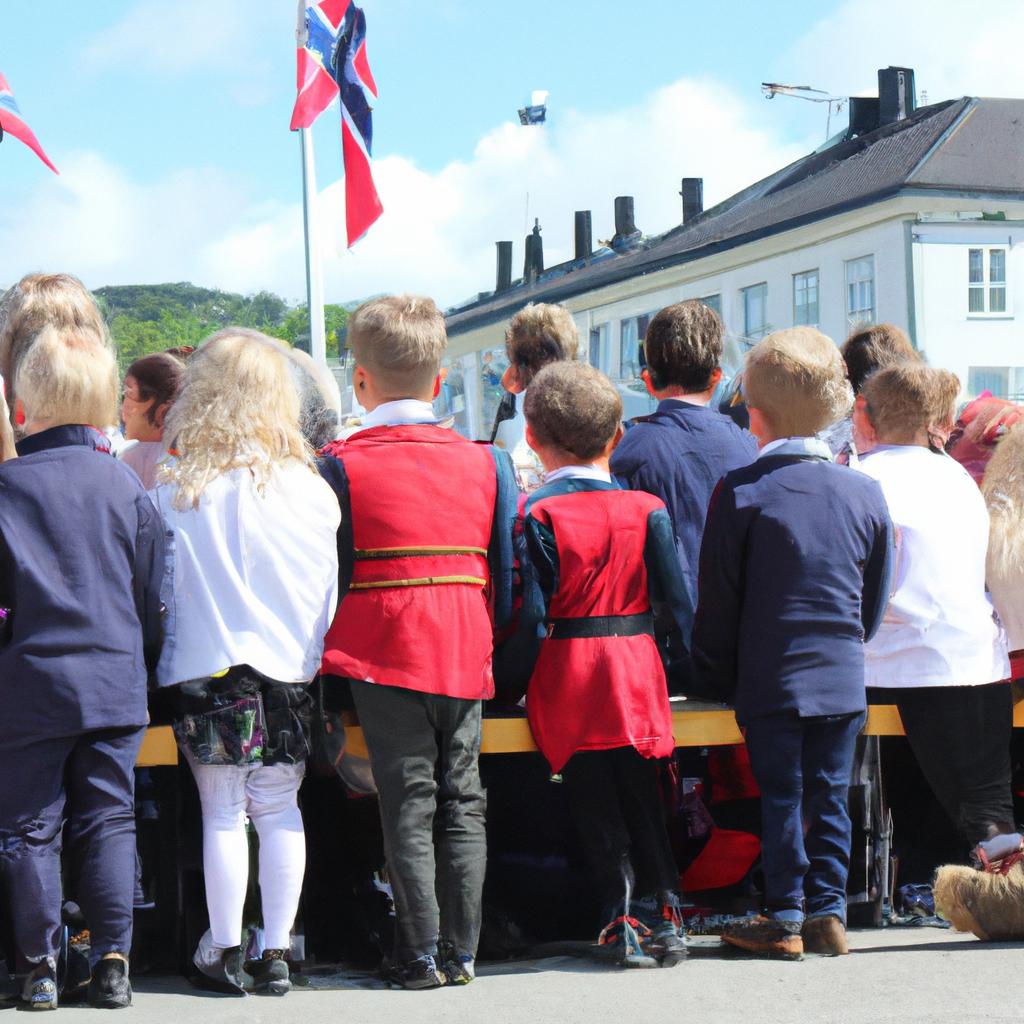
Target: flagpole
314,268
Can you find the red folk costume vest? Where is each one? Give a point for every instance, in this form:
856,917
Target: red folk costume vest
416,614
598,692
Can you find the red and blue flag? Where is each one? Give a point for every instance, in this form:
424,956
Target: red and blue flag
332,62
12,123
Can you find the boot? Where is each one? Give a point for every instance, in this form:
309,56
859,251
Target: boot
109,988
767,936
270,975
825,935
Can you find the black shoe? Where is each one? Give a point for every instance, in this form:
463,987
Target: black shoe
270,975
225,975
458,968
422,972
109,988
667,943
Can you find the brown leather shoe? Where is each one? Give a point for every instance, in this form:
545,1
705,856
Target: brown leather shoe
779,940
825,935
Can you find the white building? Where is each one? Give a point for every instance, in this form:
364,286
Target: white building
914,217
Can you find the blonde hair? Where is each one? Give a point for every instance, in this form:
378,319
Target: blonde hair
906,398
36,301
238,409
68,376
796,378
539,334
1003,489
574,409
399,340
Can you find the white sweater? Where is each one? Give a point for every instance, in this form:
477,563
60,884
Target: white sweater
939,629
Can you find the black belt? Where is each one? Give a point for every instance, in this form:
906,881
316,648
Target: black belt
601,625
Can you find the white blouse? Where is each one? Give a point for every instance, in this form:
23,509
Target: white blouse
252,576
939,629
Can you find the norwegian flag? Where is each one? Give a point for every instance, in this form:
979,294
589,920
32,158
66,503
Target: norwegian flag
12,123
332,60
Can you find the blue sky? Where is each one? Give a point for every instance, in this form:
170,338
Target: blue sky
168,120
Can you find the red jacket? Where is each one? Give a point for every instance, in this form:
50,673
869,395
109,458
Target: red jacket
421,512
597,691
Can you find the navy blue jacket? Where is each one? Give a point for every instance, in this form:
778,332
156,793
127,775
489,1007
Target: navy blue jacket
794,577
679,453
81,558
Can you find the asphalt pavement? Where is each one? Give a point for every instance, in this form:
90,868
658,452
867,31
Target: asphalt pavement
908,975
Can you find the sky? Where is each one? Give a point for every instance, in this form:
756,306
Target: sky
168,120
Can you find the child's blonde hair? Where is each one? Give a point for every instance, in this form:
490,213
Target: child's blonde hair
399,340
796,379
68,375
238,409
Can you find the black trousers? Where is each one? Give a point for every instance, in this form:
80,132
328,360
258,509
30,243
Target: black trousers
961,737
616,808
425,751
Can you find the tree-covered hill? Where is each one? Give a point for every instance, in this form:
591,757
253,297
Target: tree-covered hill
150,318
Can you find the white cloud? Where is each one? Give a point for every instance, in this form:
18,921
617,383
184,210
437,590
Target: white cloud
952,51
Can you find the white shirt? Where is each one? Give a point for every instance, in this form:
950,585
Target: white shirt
253,577
589,472
512,437
938,629
797,446
404,411
145,458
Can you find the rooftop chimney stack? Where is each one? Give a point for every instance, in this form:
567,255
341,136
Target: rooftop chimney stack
584,235
897,98
504,278
533,263
626,231
693,198
863,115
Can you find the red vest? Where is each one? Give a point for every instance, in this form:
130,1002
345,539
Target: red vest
416,614
599,692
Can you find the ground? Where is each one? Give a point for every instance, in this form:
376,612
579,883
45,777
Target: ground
893,974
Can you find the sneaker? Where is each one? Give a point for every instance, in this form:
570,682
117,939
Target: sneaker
624,938
825,935
40,989
667,943
109,988
422,972
270,976
216,969
458,968
768,936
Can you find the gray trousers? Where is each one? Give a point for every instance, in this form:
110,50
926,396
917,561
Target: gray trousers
425,752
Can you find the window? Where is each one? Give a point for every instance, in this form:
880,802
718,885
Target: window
860,291
713,302
755,311
986,281
805,299
631,334
1000,381
599,347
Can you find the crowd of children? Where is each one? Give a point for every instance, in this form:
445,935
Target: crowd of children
233,562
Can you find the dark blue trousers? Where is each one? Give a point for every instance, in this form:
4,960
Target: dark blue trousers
803,767
87,781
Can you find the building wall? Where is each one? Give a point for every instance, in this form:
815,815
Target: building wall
989,344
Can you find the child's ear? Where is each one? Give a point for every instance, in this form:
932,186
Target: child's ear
619,434
646,378
437,385
19,412
716,378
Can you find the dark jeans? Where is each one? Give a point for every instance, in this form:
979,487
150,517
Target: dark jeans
89,781
425,750
961,738
616,808
803,767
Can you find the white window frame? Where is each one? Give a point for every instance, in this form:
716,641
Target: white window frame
604,331
804,277
985,285
855,313
634,324
765,328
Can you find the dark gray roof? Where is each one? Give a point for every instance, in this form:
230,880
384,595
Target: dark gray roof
964,145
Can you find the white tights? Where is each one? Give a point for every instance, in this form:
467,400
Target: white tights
267,794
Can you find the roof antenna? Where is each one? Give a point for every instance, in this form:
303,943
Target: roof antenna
802,92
